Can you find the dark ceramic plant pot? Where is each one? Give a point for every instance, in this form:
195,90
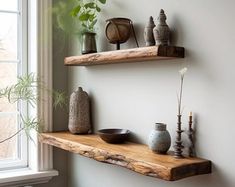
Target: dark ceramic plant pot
88,43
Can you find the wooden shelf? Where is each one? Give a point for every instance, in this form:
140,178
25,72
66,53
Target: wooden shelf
136,157
128,55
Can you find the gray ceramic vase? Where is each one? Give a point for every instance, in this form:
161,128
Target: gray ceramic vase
79,112
159,140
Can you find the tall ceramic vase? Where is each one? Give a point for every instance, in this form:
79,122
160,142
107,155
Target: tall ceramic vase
88,43
159,140
79,112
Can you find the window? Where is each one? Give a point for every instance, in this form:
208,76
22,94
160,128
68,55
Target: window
32,32
13,63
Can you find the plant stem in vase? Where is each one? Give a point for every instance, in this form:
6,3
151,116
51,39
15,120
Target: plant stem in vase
178,143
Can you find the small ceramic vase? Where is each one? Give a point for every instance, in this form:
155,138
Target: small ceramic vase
148,32
159,140
88,43
79,112
161,32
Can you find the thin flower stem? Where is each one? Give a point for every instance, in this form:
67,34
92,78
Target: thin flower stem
181,92
13,135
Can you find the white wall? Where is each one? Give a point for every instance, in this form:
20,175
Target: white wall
135,96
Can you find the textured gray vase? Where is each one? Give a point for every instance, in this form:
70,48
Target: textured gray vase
148,32
79,112
159,139
161,32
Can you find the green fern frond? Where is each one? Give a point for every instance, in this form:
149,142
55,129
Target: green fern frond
26,89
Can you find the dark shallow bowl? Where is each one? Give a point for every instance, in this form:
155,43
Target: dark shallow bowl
114,136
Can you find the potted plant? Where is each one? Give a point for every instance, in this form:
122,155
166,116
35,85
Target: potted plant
26,90
86,12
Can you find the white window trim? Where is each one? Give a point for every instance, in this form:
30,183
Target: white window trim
40,168
26,177
21,160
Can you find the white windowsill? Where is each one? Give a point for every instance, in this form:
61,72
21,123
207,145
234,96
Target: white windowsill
23,177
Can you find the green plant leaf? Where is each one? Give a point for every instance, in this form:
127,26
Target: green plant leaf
98,9
102,1
89,5
84,25
59,99
26,90
92,24
75,11
84,17
92,17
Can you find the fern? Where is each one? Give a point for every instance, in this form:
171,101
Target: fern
26,89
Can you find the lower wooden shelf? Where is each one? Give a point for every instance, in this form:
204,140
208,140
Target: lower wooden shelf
136,157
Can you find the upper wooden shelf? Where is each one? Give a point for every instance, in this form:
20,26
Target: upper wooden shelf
127,55
136,157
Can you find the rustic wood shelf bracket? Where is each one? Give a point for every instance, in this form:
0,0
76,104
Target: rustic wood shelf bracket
136,157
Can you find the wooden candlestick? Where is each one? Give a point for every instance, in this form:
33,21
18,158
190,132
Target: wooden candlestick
178,143
191,136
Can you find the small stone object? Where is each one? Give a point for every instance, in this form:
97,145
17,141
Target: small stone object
161,31
159,139
148,32
79,112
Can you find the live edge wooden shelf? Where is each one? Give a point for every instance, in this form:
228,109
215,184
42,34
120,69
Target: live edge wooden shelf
136,157
127,55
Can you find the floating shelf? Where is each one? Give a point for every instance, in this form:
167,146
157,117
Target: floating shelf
136,157
127,55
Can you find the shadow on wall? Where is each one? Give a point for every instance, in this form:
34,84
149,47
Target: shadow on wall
135,138
177,32
209,179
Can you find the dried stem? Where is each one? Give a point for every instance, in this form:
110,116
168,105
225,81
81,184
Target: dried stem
178,143
13,135
180,96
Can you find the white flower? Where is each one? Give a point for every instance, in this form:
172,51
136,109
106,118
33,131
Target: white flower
183,71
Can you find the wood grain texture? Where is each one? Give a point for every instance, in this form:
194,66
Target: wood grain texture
127,55
136,157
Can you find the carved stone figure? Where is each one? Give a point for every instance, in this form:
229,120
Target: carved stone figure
148,32
79,112
161,31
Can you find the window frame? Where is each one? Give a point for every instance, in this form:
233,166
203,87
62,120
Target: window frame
40,167
22,66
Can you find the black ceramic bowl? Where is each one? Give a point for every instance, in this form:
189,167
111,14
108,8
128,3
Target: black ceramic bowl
114,136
